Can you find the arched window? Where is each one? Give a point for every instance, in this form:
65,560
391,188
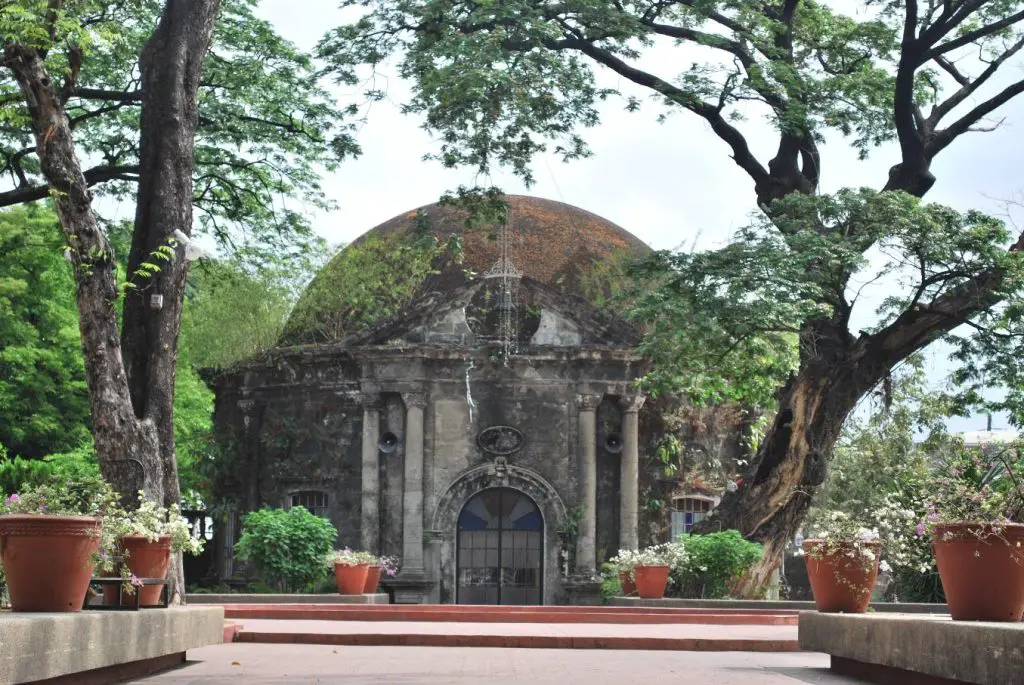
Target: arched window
314,501
687,511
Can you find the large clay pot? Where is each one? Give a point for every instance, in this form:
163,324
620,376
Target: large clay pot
982,570
372,580
840,581
351,579
146,559
651,581
48,560
628,586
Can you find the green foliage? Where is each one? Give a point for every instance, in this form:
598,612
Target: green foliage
715,561
366,282
43,403
266,126
287,547
233,311
78,465
500,82
724,324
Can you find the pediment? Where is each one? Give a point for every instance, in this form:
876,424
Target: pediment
452,319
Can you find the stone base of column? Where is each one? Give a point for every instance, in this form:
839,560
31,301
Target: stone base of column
583,591
410,586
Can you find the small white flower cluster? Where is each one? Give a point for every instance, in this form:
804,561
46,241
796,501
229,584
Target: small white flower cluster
671,554
152,521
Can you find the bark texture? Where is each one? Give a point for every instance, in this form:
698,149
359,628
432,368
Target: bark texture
130,373
171,65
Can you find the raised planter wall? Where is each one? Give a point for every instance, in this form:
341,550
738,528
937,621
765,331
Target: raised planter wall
901,648
41,646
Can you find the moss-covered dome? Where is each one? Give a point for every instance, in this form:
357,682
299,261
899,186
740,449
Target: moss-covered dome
551,242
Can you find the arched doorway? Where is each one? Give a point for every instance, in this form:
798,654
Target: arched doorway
500,549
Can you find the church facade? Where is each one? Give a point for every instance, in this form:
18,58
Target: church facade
500,462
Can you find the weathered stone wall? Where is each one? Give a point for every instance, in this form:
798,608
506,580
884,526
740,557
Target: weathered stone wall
296,425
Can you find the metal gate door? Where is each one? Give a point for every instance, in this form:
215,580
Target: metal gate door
500,549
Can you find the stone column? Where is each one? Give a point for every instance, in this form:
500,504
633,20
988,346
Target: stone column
412,499
629,485
586,559
370,519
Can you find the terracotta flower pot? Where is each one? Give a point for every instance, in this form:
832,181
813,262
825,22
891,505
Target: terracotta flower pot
351,579
48,560
841,581
982,571
651,581
628,586
145,560
372,580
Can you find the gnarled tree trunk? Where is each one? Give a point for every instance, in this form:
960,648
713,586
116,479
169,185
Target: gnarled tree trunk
131,375
171,65
836,371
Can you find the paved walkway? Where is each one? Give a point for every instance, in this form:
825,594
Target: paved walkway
326,665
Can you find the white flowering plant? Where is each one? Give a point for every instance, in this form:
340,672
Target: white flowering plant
350,557
152,521
623,562
839,534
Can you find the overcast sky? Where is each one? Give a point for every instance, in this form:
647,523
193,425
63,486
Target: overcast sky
671,184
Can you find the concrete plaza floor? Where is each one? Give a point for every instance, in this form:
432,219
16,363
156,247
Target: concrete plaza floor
289,664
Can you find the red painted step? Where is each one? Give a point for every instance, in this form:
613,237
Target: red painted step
524,641
507,614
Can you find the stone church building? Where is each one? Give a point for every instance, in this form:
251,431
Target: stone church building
489,434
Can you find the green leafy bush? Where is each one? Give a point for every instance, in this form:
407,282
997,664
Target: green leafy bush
286,547
715,561
17,474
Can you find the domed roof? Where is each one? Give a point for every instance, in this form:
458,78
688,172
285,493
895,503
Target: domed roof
552,242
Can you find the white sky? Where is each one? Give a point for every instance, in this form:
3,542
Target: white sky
671,184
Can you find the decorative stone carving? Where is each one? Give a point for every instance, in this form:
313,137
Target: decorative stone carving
500,440
588,402
500,470
631,404
414,399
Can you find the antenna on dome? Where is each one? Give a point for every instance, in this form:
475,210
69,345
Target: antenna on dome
508,276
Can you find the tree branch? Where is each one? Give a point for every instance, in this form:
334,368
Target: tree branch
93,177
943,138
728,133
968,87
112,95
971,36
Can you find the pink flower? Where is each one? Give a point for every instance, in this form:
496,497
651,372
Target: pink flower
12,499
920,529
135,581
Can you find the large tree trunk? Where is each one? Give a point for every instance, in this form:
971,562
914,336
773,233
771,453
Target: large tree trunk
127,447
131,380
171,64
835,372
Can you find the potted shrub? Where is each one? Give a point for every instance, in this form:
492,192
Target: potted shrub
51,538
979,549
350,570
382,566
651,571
146,537
843,559
623,565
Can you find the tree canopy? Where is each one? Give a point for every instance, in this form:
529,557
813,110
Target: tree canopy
499,83
266,127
